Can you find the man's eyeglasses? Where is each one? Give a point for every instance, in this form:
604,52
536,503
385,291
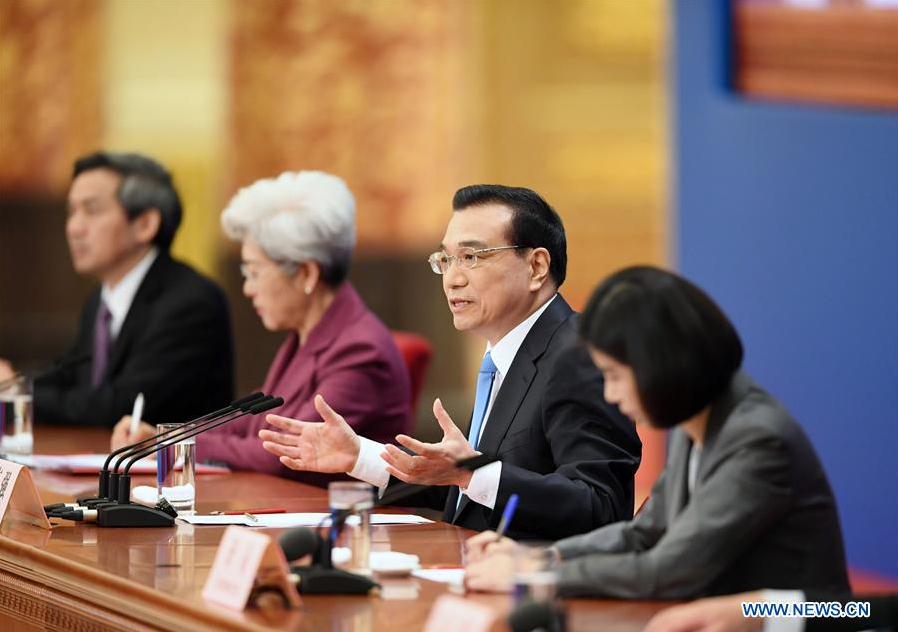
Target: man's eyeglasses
465,257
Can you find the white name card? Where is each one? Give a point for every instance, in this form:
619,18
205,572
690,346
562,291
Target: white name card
19,497
247,559
456,614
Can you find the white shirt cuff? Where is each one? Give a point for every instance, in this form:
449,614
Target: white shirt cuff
783,624
484,485
369,467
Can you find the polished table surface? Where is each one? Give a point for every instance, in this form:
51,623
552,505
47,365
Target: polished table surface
83,577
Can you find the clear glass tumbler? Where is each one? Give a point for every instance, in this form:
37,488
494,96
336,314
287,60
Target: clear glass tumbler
176,471
16,418
356,498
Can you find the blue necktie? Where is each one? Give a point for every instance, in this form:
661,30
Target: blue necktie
481,398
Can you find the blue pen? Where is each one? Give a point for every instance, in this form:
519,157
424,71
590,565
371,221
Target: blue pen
507,515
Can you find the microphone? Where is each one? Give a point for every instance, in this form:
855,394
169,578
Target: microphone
125,514
163,441
109,480
299,542
241,405
320,578
104,492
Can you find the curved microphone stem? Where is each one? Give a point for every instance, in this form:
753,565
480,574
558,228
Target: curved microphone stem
124,480
108,478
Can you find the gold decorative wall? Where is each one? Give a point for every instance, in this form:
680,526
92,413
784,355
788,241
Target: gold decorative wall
574,99
374,91
50,102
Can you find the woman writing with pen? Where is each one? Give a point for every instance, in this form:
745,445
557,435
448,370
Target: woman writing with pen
743,502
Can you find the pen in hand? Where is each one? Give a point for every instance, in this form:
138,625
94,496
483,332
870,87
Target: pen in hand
507,515
136,414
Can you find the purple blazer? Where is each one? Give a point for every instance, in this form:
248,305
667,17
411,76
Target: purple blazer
351,359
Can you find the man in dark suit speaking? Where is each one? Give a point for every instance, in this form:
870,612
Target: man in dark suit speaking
155,325
538,405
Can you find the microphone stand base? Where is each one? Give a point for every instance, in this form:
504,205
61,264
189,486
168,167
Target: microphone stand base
133,516
331,581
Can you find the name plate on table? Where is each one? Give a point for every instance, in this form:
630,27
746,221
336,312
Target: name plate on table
455,614
19,497
247,560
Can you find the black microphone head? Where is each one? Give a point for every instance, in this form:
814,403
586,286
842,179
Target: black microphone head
299,542
475,462
249,399
250,405
266,404
532,615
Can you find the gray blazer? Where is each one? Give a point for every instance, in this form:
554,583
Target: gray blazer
761,515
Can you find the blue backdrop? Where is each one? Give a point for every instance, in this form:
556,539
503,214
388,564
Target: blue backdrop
788,216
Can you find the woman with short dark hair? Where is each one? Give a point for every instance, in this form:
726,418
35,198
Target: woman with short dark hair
743,501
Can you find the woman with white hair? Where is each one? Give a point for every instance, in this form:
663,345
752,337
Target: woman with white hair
297,233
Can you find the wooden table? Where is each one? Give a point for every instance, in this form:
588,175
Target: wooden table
84,578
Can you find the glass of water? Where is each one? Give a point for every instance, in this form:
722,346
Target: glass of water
176,470
16,418
356,498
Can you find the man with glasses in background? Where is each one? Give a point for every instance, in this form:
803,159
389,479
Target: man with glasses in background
569,455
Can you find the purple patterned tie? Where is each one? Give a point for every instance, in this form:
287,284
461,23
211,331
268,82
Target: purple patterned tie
102,344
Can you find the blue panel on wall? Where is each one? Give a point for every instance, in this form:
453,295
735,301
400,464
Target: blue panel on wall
788,216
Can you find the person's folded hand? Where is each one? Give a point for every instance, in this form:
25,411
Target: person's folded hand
492,573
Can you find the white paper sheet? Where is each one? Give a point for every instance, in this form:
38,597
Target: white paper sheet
93,463
286,520
453,576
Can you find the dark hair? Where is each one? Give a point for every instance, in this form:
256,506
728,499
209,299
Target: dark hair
145,184
681,347
534,224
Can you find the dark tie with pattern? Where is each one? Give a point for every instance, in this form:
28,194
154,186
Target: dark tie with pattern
102,344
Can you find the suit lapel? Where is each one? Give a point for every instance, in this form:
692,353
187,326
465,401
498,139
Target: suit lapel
679,466
520,376
720,411
515,385
449,513
680,445
138,313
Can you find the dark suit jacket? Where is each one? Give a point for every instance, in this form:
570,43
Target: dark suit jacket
762,515
350,358
174,346
569,455
883,613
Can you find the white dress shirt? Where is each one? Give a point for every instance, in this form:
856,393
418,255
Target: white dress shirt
484,485
118,299
695,459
